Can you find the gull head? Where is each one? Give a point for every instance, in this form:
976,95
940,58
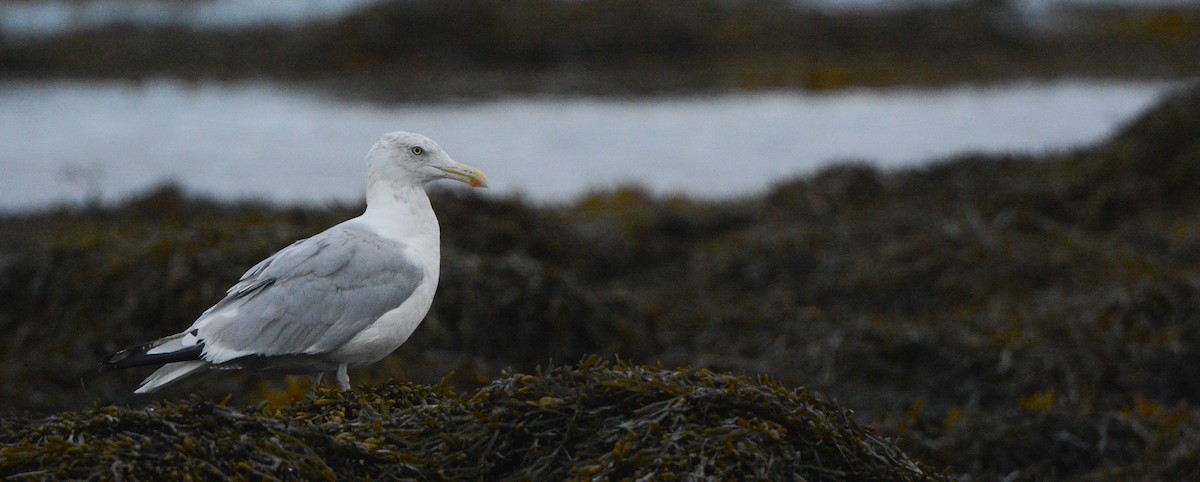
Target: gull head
404,158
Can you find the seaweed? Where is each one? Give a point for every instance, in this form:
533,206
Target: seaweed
595,420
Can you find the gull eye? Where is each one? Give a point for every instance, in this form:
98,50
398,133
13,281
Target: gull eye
416,150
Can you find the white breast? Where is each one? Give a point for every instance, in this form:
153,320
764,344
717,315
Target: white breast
406,216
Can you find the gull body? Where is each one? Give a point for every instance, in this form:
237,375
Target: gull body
346,297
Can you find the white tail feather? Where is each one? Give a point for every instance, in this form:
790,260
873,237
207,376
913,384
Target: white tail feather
168,374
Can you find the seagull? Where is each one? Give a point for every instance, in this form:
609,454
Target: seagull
346,297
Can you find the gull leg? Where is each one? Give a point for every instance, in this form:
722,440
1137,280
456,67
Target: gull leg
343,378
316,380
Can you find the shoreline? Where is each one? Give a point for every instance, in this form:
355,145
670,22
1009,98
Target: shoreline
1038,309
476,49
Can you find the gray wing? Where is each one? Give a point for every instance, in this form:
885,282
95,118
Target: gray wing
312,296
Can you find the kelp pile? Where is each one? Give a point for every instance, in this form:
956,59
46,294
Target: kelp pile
594,421
1011,316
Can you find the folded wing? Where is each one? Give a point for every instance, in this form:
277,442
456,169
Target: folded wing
308,298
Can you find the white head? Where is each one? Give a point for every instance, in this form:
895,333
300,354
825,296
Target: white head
404,159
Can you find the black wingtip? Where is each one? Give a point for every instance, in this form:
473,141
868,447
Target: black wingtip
136,357
113,361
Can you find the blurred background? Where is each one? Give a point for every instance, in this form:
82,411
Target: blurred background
975,223
279,100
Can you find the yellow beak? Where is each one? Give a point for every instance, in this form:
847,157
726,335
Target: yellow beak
470,175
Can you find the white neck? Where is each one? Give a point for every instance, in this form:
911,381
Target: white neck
404,210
